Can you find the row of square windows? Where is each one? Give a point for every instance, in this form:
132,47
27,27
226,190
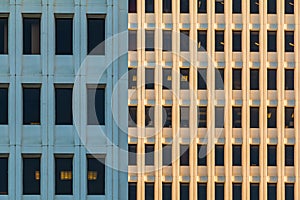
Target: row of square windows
63,105
185,40
63,35
31,165
219,6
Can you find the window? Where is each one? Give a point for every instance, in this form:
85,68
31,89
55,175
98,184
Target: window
184,191
237,40
167,78
149,6
149,191
254,155
96,35
289,191
132,6
132,154
149,79
132,187
219,6
289,155
202,6
254,6
202,40
31,175
96,105
219,117
184,116
64,36
184,155
219,191
167,117
272,41
219,39
202,117
149,154
167,40
219,79
272,117
237,6
202,154
167,154
289,79
63,175
96,176
254,117
31,35
254,191
237,155
237,79
166,191
167,6
254,40
149,40
289,117
289,7
254,79
63,106
132,116
184,6
149,118
272,76
132,40
202,79
184,40
4,35
184,79
202,191
4,175
271,6
3,105
31,106
219,155
272,154
289,41
236,117
236,191
272,191
132,78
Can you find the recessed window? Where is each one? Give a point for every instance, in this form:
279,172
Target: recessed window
4,35
132,116
202,40
237,40
96,105
167,154
3,105
184,116
289,7
219,6
219,79
202,79
289,191
184,40
31,175
254,6
167,78
254,155
289,41
236,117
149,154
132,6
184,6
272,117
202,154
4,175
184,191
31,35
167,116
202,6
272,155
149,40
254,79
219,117
149,79
254,191
166,191
132,190
289,155
31,105
64,36
63,175
219,41
63,105
272,41
167,6
289,79
254,117
271,6
236,191
184,79
132,40
167,40
219,191
272,191
96,35
149,116
254,40
132,78
237,79
95,176
272,79
237,6
202,191
149,6
184,155
219,155
149,191
132,154
236,155
202,117
289,117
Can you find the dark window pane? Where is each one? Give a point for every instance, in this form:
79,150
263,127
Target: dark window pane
132,150
237,6
202,153
202,191
132,78
272,155
272,117
219,155
167,6
254,6
237,79
64,36
289,117
149,40
149,118
149,154
236,117
149,191
202,6
254,40
31,176
219,191
219,6
149,6
272,41
254,155
254,117
3,35
184,191
219,117
184,116
184,6
132,40
272,76
63,176
31,106
202,79
289,41
289,7
132,116
237,40
289,191
96,36
96,106
254,191
167,155
254,79
289,79
184,155
149,79
31,35
132,6
271,6
167,79
202,40
167,116
167,191
202,117
167,40
237,155
219,39
237,191
289,155
132,190
272,191
219,79
4,105
184,79
63,106
184,40
96,176
4,176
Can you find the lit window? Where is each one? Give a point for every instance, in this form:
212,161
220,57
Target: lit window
202,153
63,105
149,154
184,116
272,155
132,190
219,41
132,116
184,191
149,6
219,117
167,116
254,6
289,117
289,41
132,6
236,155
219,79
219,191
96,105
236,191
4,35
289,7
31,35
254,79
149,79
4,175
132,40
184,155
202,191
202,79
167,40
3,105
31,175
272,117
149,40
166,191
219,6
289,79
219,155
271,6
289,191
149,191
254,191
289,155
202,40
254,117
184,40
167,154
202,6
167,78
254,40
149,116
236,117
132,150
254,155
237,79
237,41
64,36
167,6
31,105
202,117
132,78
63,175
272,76
272,191
96,35
95,176
272,41
184,79
184,6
